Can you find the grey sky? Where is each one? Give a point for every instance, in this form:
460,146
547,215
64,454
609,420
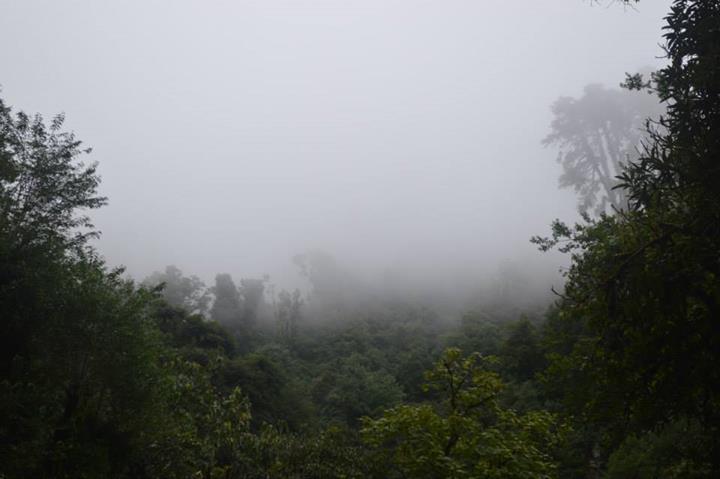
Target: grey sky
234,134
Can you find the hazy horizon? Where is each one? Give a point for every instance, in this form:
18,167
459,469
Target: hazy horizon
399,136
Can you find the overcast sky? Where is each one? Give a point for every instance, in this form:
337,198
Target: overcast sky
232,135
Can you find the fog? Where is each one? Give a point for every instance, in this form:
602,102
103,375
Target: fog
401,137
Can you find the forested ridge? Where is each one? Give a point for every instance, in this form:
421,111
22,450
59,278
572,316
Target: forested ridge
103,376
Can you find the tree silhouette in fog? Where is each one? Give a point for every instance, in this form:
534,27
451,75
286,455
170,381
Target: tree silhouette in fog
595,135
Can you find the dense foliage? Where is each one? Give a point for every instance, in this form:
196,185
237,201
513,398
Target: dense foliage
644,286
467,433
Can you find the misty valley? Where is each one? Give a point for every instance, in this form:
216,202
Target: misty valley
330,286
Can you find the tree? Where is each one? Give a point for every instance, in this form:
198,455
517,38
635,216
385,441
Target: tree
269,388
521,354
335,291
646,283
89,387
661,453
252,291
81,389
330,454
350,389
478,332
204,432
227,307
181,291
43,186
288,310
595,135
195,337
468,434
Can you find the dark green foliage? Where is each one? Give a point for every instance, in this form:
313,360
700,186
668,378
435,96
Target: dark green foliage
350,389
272,393
193,334
95,357
467,434
331,453
521,352
400,342
644,286
90,385
665,453
42,185
478,332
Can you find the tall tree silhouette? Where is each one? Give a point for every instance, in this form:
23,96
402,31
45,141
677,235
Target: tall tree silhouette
595,135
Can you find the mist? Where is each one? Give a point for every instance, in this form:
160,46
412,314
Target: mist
401,138
270,239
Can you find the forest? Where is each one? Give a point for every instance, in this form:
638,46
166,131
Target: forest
614,374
